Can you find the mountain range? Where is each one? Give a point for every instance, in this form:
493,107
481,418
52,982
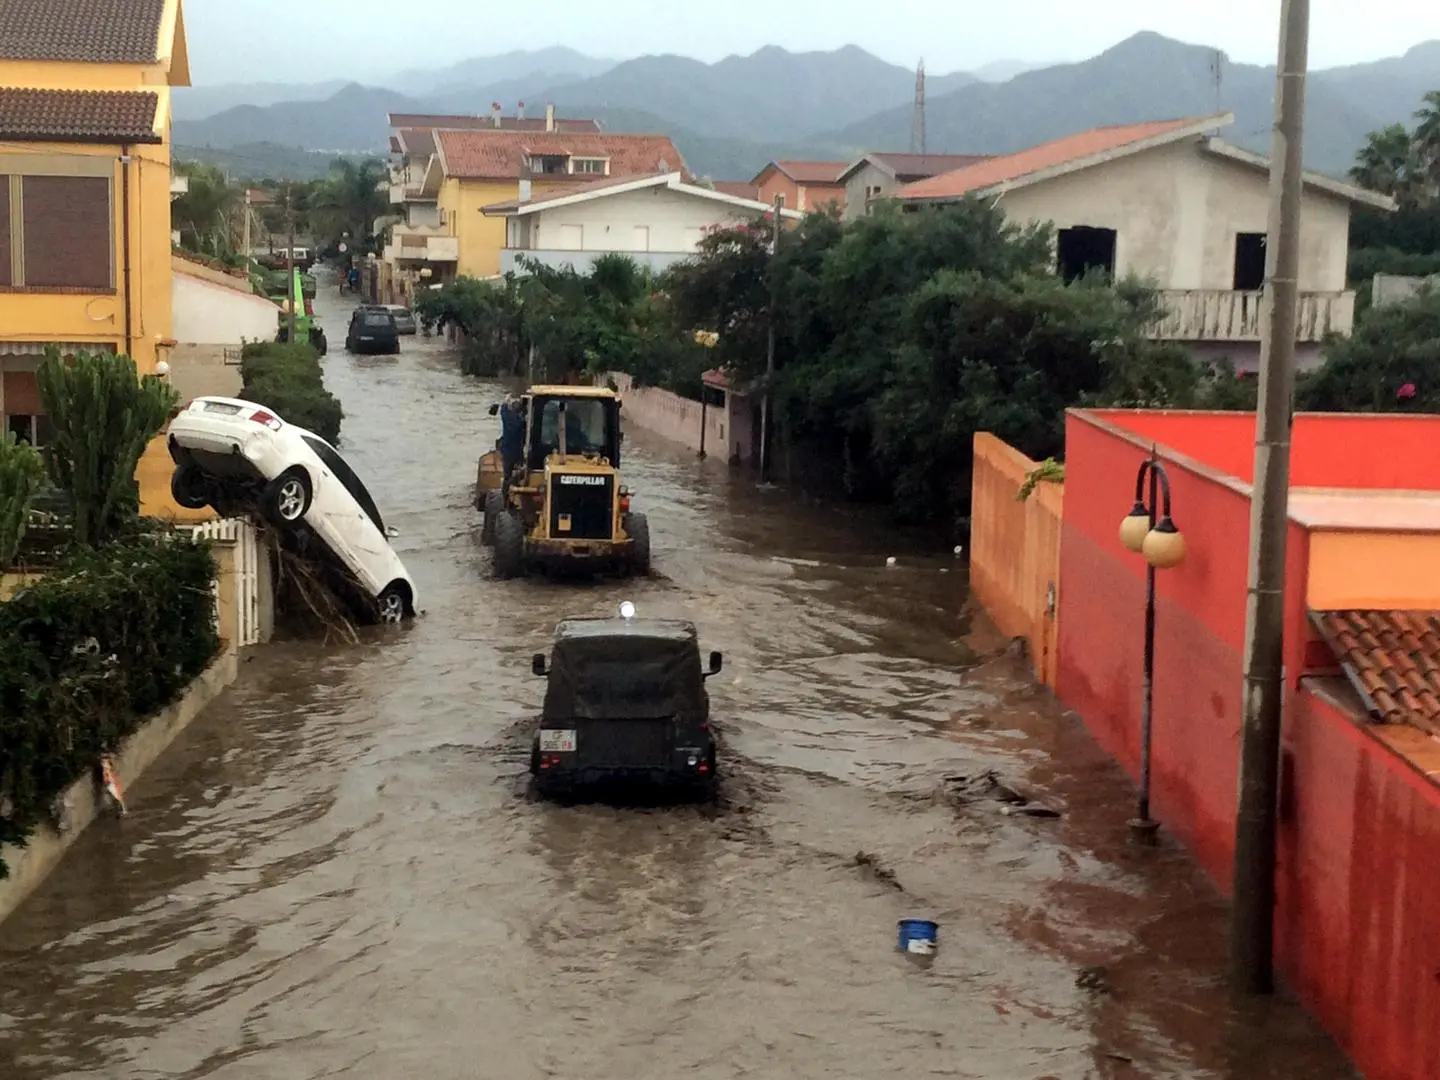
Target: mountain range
732,117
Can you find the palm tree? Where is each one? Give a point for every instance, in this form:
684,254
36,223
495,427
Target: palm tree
1385,162
1426,141
349,200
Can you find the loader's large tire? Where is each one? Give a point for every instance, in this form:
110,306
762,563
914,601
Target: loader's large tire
509,545
637,527
494,507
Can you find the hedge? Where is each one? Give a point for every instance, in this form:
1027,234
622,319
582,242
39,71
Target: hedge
107,639
288,379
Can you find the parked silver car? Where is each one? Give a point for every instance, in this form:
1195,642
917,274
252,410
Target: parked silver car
404,317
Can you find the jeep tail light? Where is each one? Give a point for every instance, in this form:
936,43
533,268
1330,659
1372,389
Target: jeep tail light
624,504
260,416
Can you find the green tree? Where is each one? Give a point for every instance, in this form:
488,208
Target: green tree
20,474
1390,363
205,215
103,415
1426,143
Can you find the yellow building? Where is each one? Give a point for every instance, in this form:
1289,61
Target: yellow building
85,246
471,168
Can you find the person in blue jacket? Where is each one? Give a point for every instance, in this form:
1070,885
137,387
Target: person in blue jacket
512,436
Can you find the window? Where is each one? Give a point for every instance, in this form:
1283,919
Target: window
68,241
1082,250
594,166
5,231
346,475
36,430
1249,262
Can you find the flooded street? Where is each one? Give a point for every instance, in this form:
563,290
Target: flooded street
336,870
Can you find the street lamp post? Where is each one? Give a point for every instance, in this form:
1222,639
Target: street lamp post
1148,529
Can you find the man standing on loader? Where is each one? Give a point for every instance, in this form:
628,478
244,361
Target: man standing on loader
512,437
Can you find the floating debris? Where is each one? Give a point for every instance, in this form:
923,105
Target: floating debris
872,865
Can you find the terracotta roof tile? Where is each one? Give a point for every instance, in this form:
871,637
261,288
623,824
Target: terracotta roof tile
104,116
810,172
443,122
93,31
500,155
911,167
1050,155
1394,657
741,189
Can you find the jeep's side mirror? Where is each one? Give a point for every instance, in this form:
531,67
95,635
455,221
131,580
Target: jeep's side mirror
494,408
537,664
716,662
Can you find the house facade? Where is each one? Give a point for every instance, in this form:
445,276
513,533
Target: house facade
85,186
874,177
1172,203
657,220
422,241
808,186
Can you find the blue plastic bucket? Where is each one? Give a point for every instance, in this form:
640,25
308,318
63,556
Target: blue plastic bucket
918,935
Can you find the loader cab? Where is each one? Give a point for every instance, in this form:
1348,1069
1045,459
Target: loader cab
577,424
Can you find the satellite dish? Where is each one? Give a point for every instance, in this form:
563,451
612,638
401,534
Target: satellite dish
627,610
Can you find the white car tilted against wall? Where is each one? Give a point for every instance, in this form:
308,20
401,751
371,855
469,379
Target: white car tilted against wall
233,455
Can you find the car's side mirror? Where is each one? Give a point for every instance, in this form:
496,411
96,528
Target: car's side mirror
537,664
495,408
716,662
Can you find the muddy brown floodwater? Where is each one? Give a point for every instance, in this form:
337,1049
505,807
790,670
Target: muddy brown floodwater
336,871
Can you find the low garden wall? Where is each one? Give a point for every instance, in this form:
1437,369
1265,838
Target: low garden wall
1015,550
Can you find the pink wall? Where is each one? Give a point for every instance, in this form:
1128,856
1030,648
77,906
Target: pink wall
1349,450
1357,924
678,419
1359,861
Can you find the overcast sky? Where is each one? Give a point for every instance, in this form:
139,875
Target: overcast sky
313,40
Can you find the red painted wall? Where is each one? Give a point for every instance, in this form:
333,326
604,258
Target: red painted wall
1348,450
1358,927
1199,634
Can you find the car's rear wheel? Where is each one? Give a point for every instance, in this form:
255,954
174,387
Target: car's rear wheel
393,605
287,498
535,756
189,487
509,544
637,527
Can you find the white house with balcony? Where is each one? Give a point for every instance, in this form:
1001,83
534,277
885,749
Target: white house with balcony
657,220
1170,202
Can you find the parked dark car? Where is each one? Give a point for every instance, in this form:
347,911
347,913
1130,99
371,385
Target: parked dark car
404,317
625,702
372,331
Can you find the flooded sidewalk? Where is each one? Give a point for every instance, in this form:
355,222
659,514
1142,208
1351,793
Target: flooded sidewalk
337,870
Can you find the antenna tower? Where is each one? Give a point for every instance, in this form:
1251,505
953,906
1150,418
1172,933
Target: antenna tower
917,121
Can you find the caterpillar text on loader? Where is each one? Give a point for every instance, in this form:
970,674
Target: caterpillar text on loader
562,507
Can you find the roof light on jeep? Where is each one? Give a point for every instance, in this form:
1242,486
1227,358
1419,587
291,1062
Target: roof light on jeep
260,416
627,610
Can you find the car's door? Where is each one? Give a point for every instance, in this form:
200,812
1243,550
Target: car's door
332,509
358,528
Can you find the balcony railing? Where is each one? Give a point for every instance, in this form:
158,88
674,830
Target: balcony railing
408,246
1232,315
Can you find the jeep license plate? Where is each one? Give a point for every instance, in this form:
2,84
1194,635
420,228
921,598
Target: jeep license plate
557,742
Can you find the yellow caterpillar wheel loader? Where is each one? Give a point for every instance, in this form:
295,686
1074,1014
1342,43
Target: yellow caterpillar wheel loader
557,503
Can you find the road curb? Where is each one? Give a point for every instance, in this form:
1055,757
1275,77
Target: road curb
32,864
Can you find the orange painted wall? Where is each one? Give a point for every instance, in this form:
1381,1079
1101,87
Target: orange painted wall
807,197
1348,450
1015,550
1199,637
1357,932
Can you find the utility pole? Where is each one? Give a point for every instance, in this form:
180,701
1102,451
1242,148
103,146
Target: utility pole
245,235
1252,932
290,261
767,402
